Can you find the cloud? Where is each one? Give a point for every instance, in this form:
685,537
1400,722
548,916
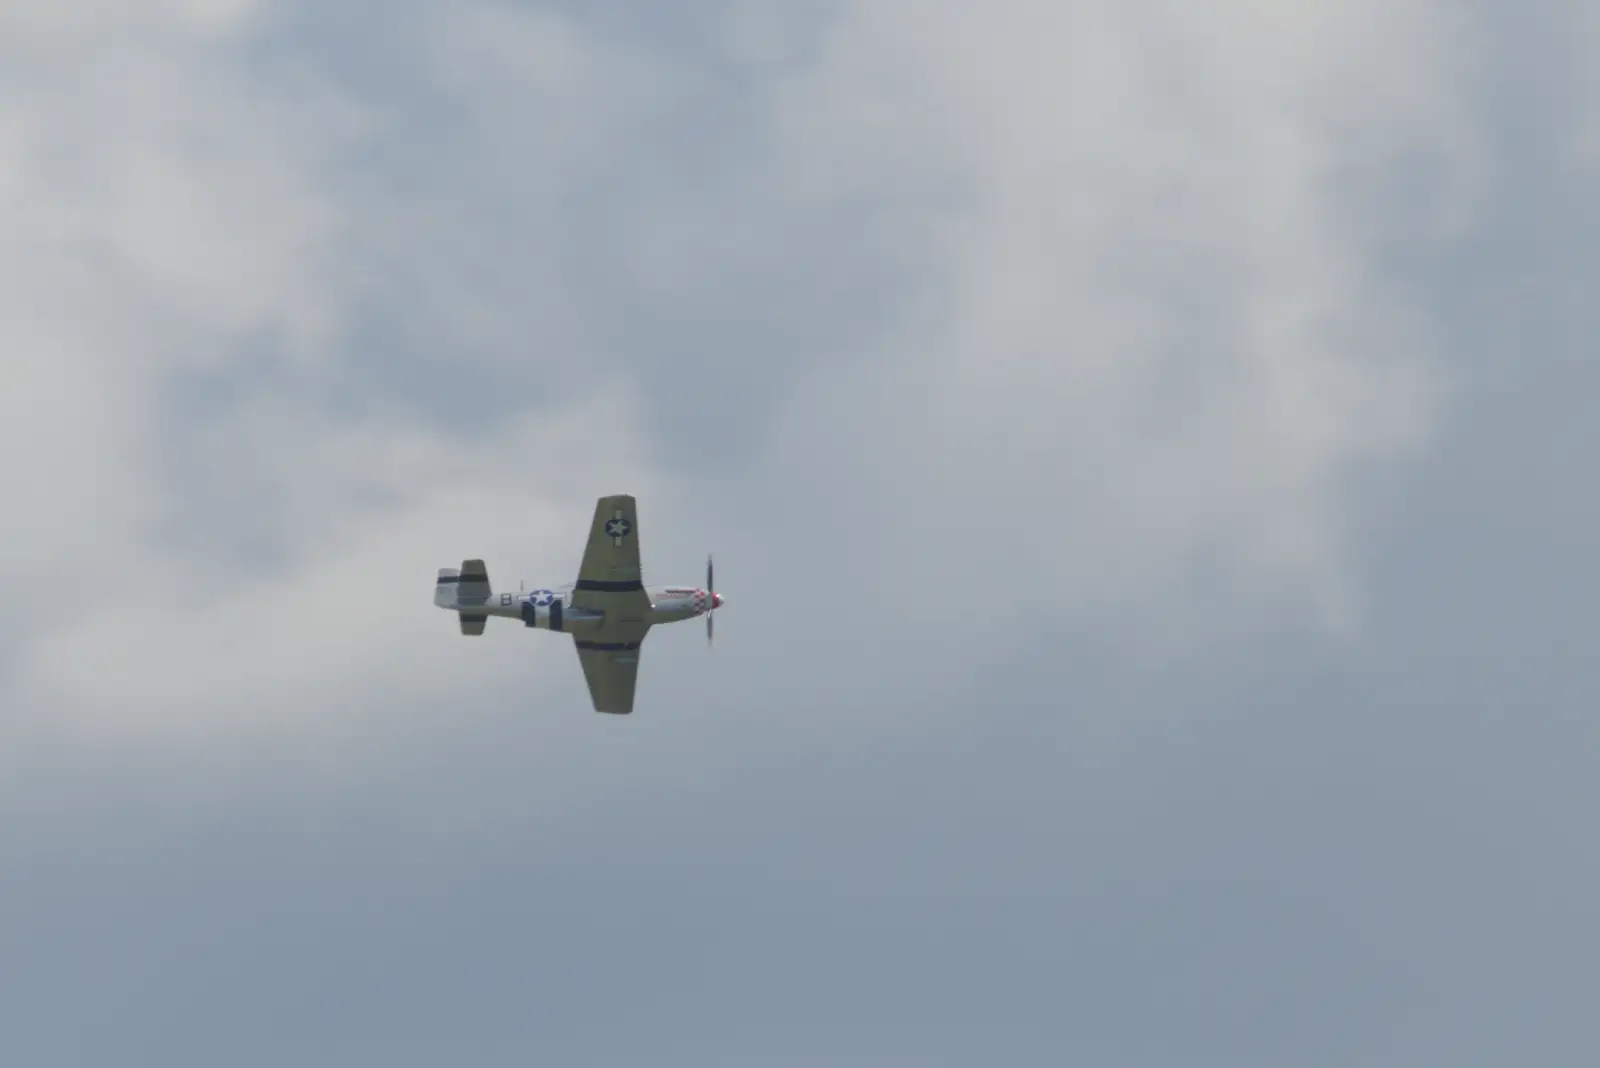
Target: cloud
1147,355
197,523
195,646
1582,37
29,24
1058,305
160,209
1001,355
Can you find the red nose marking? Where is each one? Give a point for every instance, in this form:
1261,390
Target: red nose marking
716,600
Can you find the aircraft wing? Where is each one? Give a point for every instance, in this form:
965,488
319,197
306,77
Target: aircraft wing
612,671
609,579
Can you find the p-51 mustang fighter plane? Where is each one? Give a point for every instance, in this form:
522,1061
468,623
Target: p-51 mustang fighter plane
607,611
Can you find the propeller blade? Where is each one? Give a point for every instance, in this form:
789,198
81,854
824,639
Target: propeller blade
711,591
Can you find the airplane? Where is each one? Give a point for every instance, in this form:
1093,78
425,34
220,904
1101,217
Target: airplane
608,611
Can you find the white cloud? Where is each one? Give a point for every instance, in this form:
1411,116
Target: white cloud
38,27
170,210
158,210
1147,346
349,623
1140,363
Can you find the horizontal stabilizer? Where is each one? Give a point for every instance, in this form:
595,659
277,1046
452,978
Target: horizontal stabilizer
473,586
471,624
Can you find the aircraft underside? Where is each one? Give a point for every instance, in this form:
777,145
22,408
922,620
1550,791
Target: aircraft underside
608,611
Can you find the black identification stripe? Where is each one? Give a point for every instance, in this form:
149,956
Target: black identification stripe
607,586
449,580
555,614
608,646
470,618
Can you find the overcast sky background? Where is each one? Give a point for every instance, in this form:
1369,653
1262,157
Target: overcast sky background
1148,452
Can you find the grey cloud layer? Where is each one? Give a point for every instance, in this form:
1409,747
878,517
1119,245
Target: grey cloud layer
1157,600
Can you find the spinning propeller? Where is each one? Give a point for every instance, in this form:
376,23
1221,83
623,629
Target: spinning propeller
711,592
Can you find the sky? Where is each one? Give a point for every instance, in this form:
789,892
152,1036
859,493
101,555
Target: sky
1144,447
